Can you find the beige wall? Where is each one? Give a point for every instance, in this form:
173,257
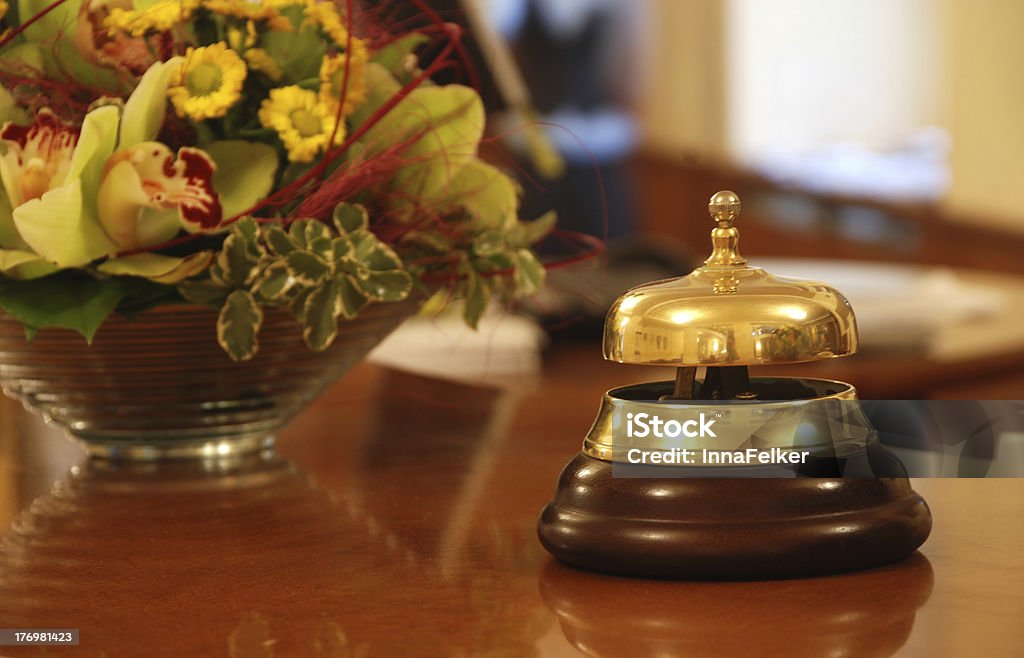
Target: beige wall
731,78
808,72
985,61
682,93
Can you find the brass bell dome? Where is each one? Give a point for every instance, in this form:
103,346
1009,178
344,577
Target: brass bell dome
728,313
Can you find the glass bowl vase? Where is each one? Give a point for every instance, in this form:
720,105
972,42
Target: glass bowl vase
159,386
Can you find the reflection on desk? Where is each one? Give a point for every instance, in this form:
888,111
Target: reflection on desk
401,522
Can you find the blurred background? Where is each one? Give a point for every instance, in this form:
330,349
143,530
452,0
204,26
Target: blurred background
876,145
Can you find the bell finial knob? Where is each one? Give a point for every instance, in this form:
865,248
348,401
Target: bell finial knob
724,207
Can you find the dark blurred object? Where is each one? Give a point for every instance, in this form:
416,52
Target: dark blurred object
572,78
570,75
411,17
575,300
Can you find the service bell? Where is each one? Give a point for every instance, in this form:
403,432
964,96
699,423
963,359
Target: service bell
720,475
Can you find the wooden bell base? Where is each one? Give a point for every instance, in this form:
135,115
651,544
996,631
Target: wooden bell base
704,528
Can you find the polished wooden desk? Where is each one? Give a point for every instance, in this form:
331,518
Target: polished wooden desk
402,524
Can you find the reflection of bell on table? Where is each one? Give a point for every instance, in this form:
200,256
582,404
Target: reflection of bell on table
740,477
864,614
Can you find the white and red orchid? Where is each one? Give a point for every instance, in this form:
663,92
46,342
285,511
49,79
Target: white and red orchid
147,194
38,157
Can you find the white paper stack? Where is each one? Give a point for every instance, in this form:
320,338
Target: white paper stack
504,351
901,306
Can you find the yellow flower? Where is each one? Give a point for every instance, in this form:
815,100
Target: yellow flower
239,39
254,10
208,83
160,16
3,9
332,78
260,60
303,124
326,15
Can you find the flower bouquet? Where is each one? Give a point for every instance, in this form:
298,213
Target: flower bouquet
238,163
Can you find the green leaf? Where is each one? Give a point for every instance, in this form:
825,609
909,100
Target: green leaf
489,243
239,324
376,255
274,283
51,23
530,273
428,239
67,299
245,173
350,218
205,292
381,86
352,300
298,303
307,268
395,55
303,231
320,315
496,262
298,52
157,267
278,240
436,303
63,61
237,261
322,247
389,286
441,128
524,234
477,295
249,229
341,247
485,192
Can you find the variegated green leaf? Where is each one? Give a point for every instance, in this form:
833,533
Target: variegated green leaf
341,247
278,240
307,268
387,286
274,283
495,263
477,294
320,315
429,239
250,231
530,273
488,243
297,305
374,254
352,300
239,324
304,231
237,261
323,247
218,276
350,218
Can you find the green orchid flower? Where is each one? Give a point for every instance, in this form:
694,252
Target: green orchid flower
72,197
